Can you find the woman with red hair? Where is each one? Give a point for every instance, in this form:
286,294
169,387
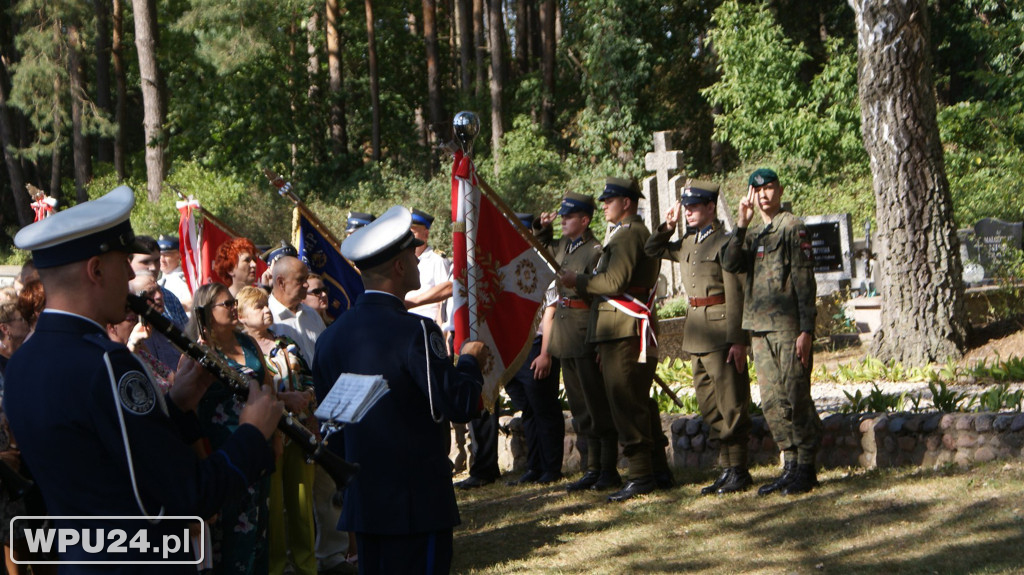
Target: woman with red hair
236,264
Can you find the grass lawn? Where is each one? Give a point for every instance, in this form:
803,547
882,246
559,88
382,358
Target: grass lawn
905,520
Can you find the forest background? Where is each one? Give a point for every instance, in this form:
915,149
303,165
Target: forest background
349,100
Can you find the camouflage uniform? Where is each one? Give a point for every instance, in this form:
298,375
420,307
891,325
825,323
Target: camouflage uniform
780,304
624,268
584,386
713,325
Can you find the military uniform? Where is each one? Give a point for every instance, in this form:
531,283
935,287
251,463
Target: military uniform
627,363
584,386
713,325
99,437
401,505
780,304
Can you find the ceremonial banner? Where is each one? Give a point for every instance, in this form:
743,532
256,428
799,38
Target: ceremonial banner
323,256
499,279
198,243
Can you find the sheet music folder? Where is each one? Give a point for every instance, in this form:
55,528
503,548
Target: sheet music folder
351,397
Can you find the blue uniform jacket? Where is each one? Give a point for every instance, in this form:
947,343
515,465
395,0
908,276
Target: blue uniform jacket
64,415
404,484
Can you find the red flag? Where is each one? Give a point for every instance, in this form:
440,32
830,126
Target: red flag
499,279
199,242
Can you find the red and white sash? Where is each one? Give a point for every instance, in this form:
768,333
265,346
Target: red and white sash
635,308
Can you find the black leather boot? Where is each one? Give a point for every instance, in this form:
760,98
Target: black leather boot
609,479
787,477
806,479
713,488
639,486
586,482
738,480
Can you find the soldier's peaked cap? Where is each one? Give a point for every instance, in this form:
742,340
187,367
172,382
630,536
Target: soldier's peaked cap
620,188
422,218
573,203
699,192
381,239
80,232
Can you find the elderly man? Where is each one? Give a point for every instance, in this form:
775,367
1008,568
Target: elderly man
172,276
100,438
401,506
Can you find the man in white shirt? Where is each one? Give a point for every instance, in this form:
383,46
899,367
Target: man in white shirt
172,277
435,270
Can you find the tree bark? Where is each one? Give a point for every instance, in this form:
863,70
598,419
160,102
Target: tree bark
105,149
549,44
464,17
313,90
371,49
117,54
152,95
434,98
479,46
79,144
923,315
336,81
497,34
522,46
14,174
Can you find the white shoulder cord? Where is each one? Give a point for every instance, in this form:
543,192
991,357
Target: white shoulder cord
430,387
127,447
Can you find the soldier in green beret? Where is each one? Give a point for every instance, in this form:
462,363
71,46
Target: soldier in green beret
579,251
713,334
779,311
622,324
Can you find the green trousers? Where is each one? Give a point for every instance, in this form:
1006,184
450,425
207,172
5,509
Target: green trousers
786,400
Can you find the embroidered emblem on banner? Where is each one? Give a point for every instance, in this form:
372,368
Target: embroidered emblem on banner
526,276
437,346
136,393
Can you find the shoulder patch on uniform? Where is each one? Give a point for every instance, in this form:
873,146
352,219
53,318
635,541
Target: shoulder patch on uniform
437,346
136,393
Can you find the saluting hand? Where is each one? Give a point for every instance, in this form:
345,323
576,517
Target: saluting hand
546,218
672,216
746,211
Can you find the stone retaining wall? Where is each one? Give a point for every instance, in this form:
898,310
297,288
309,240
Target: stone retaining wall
858,440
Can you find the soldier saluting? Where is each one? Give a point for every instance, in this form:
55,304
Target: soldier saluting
713,334
779,311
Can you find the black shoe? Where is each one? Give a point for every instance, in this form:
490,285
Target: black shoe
805,480
664,480
472,482
609,479
738,480
713,488
549,477
586,482
787,477
640,486
530,476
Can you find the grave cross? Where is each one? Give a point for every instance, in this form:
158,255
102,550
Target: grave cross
663,162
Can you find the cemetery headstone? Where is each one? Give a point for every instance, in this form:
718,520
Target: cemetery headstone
994,240
831,244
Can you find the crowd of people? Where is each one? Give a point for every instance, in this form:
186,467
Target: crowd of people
159,435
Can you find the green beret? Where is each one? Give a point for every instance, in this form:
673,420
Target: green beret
762,176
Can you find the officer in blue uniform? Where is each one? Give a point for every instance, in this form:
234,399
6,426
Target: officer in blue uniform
401,505
92,426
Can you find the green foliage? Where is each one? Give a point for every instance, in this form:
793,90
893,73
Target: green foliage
667,405
999,398
675,371
946,400
533,176
674,307
877,401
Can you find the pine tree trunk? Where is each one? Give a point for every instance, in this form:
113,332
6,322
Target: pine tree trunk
480,47
79,144
14,174
336,81
105,150
152,95
549,44
464,17
117,54
434,98
923,317
522,47
371,49
313,98
496,35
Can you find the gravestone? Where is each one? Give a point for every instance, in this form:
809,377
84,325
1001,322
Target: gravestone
993,243
831,244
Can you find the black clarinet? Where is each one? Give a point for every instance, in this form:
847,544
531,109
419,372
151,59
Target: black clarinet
340,470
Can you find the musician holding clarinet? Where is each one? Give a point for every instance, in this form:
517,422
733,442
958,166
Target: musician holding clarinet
99,436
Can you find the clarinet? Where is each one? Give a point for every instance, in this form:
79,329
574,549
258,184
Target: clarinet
340,470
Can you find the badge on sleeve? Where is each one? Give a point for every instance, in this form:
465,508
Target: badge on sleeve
136,393
437,346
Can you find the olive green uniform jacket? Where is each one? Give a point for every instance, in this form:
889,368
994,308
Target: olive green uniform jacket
568,337
624,268
714,327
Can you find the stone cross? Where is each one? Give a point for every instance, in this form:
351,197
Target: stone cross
663,162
